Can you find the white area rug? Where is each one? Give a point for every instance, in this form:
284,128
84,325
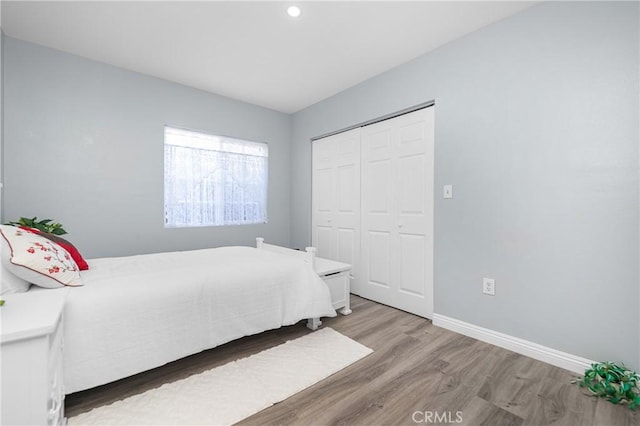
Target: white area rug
227,394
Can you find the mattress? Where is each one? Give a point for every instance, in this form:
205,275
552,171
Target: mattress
139,312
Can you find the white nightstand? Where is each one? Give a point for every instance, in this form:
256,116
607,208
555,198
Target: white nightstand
31,350
336,275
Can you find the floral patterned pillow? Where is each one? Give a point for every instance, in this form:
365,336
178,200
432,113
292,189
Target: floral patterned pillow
38,260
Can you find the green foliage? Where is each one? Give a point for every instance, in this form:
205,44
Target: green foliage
44,225
616,384
1,302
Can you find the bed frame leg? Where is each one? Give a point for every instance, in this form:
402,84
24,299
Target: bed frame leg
313,323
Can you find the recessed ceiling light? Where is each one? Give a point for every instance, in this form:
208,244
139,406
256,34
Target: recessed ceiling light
293,11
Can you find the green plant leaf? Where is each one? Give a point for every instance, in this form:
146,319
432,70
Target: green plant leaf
45,225
616,383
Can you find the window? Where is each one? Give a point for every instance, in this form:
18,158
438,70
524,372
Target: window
213,180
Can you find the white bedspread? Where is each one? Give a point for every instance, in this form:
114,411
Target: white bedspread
140,312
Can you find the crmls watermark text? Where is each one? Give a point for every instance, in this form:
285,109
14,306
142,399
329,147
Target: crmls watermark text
436,417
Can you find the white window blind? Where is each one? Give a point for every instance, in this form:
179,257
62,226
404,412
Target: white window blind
213,180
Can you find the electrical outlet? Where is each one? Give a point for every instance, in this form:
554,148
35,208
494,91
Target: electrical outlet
489,286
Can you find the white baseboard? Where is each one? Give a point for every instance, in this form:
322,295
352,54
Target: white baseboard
551,356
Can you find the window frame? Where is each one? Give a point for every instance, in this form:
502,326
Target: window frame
215,200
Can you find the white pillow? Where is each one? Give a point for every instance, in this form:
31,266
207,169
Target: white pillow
9,283
38,260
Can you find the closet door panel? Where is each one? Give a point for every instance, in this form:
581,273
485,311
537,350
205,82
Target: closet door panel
335,198
378,271
348,198
378,194
323,199
324,241
379,140
347,162
346,243
326,195
378,198
414,188
397,189
414,154
412,270
411,181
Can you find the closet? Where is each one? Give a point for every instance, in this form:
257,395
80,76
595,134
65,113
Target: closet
372,207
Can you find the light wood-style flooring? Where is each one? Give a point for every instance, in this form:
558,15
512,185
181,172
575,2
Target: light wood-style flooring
418,374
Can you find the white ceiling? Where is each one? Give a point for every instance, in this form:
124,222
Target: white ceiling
253,51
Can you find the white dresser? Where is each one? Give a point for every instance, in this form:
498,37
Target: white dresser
31,353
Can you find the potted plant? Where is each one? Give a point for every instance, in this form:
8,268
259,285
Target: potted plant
617,384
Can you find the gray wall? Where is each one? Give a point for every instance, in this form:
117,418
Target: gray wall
84,146
537,129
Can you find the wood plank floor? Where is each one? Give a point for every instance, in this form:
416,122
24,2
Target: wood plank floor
418,374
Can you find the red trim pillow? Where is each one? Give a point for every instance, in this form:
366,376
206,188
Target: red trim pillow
38,260
73,251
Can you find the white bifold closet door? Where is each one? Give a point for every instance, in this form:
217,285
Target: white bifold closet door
396,266
372,207
335,200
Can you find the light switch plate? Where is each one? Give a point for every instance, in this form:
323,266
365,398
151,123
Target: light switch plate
448,191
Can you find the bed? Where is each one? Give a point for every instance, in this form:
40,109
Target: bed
136,313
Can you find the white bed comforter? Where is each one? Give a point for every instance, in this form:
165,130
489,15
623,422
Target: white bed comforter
140,312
